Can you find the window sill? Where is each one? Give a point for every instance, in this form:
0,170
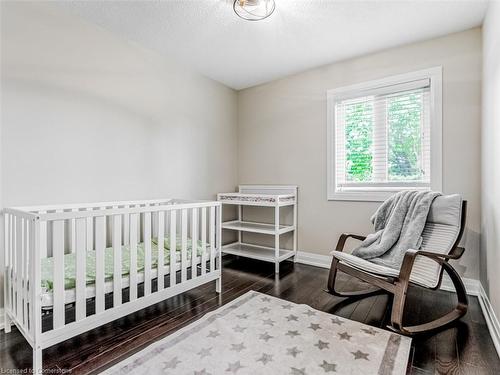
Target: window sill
364,195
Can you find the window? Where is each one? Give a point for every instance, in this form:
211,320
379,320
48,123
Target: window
385,136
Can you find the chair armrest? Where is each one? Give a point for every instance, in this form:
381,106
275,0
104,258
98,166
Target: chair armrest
343,238
407,265
411,255
456,253
453,254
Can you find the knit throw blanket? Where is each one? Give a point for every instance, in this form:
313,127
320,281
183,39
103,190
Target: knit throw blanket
399,223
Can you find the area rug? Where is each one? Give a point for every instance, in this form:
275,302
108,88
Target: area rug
259,334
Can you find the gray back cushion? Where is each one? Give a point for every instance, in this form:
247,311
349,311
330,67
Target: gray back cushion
439,236
447,210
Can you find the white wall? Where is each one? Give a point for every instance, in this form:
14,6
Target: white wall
282,135
490,223
88,117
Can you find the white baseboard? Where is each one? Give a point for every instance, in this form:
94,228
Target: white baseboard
472,286
312,259
490,317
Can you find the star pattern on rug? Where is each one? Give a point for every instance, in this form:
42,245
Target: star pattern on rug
322,344
256,335
238,347
265,358
293,351
234,367
369,331
268,322
172,363
328,367
213,334
344,336
292,317
360,355
314,326
238,328
292,333
205,352
265,336
337,321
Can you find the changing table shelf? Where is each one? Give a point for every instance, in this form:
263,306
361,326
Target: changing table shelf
264,253
248,226
277,196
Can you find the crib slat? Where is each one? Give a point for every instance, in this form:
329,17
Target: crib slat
100,245
81,268
58,285
194,241
203,240
117,260
173,247
31,272
147,253
154,223
90,232
20,271
6,238
212,239
133,256
43,237
19,263
13,261
126,228
38,243
218,244
184,228
7,258
72,234
25,271
161,247
12,228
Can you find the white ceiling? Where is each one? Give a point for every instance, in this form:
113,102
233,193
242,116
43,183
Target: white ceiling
301,34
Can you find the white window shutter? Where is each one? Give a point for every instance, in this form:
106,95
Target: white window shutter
382,137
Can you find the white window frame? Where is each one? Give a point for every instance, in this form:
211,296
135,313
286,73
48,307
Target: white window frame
434,75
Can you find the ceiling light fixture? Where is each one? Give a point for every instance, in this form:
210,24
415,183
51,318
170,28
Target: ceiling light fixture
254,10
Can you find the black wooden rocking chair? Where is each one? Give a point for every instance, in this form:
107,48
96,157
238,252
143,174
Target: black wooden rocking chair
441,236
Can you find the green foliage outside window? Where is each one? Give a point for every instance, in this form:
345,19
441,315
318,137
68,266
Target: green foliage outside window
358,136
403,138
405,144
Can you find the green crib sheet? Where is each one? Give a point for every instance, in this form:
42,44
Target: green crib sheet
70,262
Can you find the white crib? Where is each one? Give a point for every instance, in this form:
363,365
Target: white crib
54,235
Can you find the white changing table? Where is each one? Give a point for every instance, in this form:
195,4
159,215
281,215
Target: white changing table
276,196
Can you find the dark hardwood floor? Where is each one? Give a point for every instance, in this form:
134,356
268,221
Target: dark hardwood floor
464,348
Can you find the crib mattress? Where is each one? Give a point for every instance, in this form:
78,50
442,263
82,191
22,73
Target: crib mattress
70,267
90,292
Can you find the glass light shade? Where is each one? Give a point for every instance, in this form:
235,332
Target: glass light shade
254,10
